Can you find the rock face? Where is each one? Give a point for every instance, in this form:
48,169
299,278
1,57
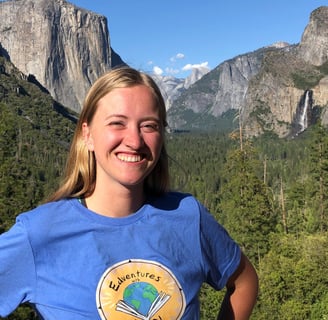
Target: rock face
314,44
65,47
233,81
265,87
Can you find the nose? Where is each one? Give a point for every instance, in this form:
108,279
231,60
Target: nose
134,138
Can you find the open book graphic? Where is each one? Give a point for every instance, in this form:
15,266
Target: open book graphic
157,304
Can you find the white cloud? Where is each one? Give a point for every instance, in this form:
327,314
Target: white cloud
173,69
189,66
178,56
157,70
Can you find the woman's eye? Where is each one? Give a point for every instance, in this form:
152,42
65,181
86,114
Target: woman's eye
116,124
150,127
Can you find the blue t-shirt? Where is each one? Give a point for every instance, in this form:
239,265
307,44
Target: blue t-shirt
72,263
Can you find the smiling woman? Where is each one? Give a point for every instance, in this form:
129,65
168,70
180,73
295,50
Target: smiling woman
114,242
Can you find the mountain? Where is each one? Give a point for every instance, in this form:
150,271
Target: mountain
217,92
266,88
172,87
65,47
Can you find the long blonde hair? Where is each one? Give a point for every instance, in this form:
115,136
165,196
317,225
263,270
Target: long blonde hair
80,174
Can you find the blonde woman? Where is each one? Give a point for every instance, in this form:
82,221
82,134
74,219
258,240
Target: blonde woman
113,242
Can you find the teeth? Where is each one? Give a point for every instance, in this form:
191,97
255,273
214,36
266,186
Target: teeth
129,158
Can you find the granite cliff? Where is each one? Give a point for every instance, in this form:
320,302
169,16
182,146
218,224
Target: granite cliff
65,47
266,88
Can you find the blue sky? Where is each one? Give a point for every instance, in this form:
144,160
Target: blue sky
173,36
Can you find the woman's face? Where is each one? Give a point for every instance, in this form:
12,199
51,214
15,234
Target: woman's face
126,136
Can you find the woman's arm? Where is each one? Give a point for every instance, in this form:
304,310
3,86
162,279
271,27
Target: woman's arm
242,290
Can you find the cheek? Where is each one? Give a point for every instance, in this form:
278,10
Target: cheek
105,142
156,144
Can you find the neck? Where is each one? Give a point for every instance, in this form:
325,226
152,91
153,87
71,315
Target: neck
117,203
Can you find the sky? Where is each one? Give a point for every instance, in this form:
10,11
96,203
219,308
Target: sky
170,37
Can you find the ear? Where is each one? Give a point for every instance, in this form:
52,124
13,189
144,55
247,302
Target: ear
87,137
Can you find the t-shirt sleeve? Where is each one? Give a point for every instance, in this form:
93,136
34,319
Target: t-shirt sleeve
17,270
221,254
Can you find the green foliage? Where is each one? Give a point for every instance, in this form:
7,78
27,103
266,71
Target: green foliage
197,161
35,133
324,68
24,312
210,301
320,308
318,189
294,278
305,79
242,185
246,203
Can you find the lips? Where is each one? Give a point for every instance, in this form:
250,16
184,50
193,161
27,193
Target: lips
129,157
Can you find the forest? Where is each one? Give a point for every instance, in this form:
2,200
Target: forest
269,193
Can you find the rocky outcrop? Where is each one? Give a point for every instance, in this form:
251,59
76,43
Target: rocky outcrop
65,47
313,47
233,81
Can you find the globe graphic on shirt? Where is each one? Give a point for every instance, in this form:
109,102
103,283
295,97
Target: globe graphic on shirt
140,296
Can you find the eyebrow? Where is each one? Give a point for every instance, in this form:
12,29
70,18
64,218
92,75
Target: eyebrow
116,116
126,117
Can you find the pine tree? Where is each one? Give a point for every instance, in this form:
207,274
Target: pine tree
318,186
246,203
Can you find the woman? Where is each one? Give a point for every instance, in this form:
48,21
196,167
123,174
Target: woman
113,242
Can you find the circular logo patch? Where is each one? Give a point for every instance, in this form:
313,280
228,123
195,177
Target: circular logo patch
139,289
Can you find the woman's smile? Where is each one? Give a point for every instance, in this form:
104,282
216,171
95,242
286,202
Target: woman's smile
129,158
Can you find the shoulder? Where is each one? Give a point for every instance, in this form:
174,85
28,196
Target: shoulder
172,201
46,211
181,207
42,219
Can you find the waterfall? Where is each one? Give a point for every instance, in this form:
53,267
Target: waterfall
302,118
